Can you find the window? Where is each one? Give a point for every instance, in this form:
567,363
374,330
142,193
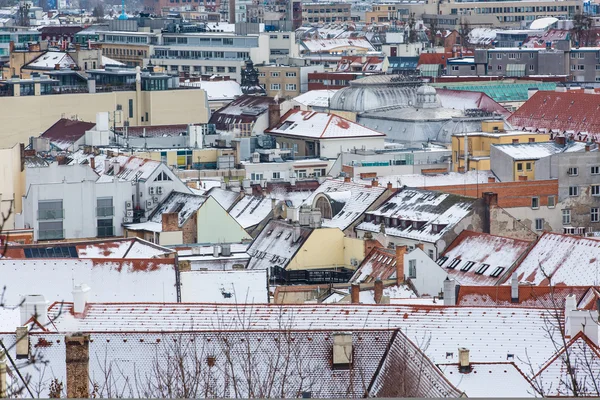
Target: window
454,263
580,55
573,56
301,173
539,224
482,269
551,201
531,55
511,56
531,68
262,74
595,190
496,273
232,70
566,217
319,172
130,108
535,202
455,68
209,69
161,177
573,190
290,74
499,67
573,171
528,166
581,67
595,170
430,253
51,209
290,86
572,67
274,74
50,230
276,175
104,207
441,260
412,269
467,266
256,177
499,56
105,227
275,86
595,214
519,167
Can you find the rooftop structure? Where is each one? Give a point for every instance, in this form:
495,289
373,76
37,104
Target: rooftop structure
65,132
537,150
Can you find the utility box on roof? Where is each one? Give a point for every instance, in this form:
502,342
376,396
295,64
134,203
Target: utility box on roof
342,349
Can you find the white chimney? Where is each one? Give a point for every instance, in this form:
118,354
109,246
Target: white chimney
34,306
589,90
514,288
226,250
449,292
80,298
216,250
106,165
464,364
102,121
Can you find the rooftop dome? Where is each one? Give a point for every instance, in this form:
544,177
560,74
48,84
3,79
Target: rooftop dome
426,89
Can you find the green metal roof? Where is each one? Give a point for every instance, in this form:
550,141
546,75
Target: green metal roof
500,91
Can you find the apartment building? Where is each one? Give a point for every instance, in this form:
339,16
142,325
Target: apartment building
10,41
282,45
130,48
157,6
210,53
325,12
285,81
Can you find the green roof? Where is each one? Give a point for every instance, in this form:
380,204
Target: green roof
500,91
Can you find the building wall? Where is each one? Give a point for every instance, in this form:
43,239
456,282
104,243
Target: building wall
326,12
501,165
429,278
171,238
278,75
331,148
130,54
12,184
25,116
215,225
340,251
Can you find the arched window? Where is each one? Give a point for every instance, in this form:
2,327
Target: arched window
324,206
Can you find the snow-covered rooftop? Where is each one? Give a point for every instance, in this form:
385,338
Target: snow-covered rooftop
50,59
380,263
331,45
537,150
184,204
252,210
353,200
426,180
238,286
226,198
503,379
467,256
218,90
277,244
312,124
418,214
316,98
569,260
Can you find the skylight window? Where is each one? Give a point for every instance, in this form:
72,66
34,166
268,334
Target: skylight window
482,269
497,272
454,263
467,266
442,260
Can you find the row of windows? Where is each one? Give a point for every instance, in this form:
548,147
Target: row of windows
574,171
511,56
288,86
566,218
275,36
480,270
594,190
326,19
275,74
187,54
207,69
125,39
328,10
124,52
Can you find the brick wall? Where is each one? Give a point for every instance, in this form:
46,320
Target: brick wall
510,194
190,230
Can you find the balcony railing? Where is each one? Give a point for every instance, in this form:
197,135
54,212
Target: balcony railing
52,234
104,231
51,214
105,211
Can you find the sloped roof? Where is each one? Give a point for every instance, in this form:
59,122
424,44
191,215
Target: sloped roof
568,111
131,168
434,58
316,98
502,379
320,125
506,91
238,286
570,260
226,198
276,245
424,207
537,150
584,357
328,45
354,199
65,132
244,109
218,90
155,130
109,280
529,296
184,204
474,249
465,100
380,263
50,59
126,248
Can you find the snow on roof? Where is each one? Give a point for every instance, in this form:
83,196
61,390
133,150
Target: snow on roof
50,59
218,90
542,23
252,210
312,124
470,251
482,35
110,61
10,318
201,258
570,260
489,380
346,213
131,168
65,132
184,204
419,214
277,244
380,263
226,198
426,180
239,286
316,98
109,280
329,45
462,326
149,226
529,296
584,357
537,150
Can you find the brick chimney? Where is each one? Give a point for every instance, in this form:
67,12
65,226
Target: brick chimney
274,115
560,140
170,222
390,186
347,179
374,183
378,295
522,178
491,179
400,253
77,363
93,162
355,293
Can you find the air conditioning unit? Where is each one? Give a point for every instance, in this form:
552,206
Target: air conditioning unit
151,190
128,205
159,190
155,198
129,214
127,220
149,203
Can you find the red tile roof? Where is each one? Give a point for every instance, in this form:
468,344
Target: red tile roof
566,111
67,130
434,58
380,263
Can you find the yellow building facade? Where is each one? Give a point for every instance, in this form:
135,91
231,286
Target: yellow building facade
478,145
12,183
